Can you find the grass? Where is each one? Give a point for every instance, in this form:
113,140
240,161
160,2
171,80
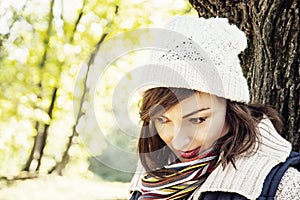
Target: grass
62,188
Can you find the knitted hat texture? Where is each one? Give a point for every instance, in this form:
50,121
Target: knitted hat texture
200,54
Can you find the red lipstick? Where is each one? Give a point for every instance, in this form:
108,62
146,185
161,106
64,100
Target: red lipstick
190,153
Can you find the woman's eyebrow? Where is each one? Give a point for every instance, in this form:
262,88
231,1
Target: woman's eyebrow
194,112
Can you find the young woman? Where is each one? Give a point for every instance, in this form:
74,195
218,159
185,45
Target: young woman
203,140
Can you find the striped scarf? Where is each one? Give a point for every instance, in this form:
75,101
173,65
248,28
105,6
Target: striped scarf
185,178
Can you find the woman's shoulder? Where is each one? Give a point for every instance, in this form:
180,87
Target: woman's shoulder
289,186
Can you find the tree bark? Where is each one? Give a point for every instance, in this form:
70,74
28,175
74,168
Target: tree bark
271,60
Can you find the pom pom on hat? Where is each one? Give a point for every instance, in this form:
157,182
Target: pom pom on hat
205,58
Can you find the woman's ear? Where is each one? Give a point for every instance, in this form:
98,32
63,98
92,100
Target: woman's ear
226,128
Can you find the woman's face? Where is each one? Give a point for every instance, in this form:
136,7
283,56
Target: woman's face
193,125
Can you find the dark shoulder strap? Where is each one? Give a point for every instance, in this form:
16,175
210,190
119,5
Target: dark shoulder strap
221,196
273,179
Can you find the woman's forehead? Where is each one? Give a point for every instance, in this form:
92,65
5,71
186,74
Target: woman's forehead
198,101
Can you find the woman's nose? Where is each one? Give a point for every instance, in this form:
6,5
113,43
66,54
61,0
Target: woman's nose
181,138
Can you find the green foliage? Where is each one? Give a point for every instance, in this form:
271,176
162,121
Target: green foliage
43,45
102,165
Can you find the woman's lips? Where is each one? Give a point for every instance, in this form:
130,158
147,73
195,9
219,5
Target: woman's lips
190,153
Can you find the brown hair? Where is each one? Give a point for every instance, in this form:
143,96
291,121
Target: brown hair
241,118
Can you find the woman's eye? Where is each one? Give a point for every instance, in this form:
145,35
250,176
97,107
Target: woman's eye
197,120
161,120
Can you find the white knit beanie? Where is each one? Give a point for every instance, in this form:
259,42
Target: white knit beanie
200,54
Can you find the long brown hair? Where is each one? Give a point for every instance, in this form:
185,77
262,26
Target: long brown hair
241,118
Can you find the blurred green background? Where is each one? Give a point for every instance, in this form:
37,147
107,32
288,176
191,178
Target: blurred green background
44,45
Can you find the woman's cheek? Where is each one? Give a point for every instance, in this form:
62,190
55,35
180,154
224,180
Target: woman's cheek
166,135
203,132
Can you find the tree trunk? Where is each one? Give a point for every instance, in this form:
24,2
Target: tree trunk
58,168
271,60
34,161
